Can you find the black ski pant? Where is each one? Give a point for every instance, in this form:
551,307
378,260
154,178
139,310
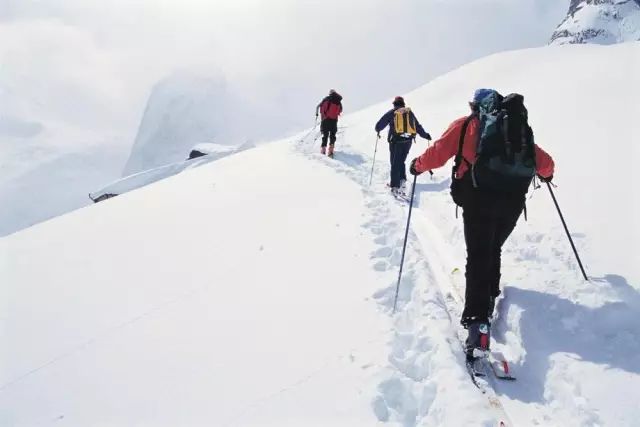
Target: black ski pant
398,152
488,221
329,128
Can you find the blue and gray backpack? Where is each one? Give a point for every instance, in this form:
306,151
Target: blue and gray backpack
505,151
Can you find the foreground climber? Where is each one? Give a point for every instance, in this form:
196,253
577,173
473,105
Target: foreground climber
495,161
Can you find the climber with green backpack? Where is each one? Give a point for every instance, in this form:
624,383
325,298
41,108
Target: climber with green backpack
495,160
403,128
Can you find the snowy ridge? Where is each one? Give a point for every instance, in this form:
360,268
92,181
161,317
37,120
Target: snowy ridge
268,302
211,152
599,21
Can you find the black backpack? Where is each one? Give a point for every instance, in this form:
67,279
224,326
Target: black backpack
505,151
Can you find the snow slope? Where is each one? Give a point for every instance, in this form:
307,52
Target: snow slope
599,21
268,302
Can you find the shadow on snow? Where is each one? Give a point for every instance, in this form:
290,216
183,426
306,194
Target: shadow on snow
608,335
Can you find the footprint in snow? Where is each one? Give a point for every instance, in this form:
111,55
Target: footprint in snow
384,252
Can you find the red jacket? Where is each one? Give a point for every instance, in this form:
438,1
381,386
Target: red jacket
447,147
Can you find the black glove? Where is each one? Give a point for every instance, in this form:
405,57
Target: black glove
412,168
543,179
428,137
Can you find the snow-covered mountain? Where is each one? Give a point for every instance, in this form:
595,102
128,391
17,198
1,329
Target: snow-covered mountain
257,290
184,109
599,21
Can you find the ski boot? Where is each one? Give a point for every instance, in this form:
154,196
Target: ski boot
330,152
477,343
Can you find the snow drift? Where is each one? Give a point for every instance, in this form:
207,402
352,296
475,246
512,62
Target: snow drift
249,292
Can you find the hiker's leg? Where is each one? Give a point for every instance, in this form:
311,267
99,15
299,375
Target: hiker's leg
508,214
396,164
325,132
404,149
333,130
479,234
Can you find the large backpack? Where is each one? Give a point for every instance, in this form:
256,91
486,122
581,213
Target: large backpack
330,109
404,123
505,150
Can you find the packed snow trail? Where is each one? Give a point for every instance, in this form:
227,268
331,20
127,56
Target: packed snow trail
426,364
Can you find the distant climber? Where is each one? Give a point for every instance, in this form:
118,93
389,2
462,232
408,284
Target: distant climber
490,184
403,127
330,109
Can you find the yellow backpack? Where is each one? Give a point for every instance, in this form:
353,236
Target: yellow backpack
404,123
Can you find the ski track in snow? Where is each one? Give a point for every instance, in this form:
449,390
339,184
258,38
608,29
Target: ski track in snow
428,315
408,387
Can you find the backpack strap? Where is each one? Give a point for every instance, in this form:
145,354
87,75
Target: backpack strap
459,157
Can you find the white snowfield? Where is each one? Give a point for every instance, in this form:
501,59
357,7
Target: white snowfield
257,290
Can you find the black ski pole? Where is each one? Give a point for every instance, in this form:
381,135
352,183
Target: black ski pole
575,251
404,246
374,159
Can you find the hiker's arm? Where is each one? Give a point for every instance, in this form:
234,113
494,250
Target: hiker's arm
420,129
442,150
384,121
545,166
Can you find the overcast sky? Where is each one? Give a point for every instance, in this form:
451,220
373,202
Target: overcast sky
92,63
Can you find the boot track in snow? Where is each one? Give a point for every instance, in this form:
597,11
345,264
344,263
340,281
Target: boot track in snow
403,394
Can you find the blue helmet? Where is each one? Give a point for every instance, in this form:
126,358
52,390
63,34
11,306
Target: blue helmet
480,94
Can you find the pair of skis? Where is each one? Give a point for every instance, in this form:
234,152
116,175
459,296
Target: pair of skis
483,373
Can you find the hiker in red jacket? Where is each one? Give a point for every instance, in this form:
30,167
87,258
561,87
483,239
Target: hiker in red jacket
489,215
330,108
